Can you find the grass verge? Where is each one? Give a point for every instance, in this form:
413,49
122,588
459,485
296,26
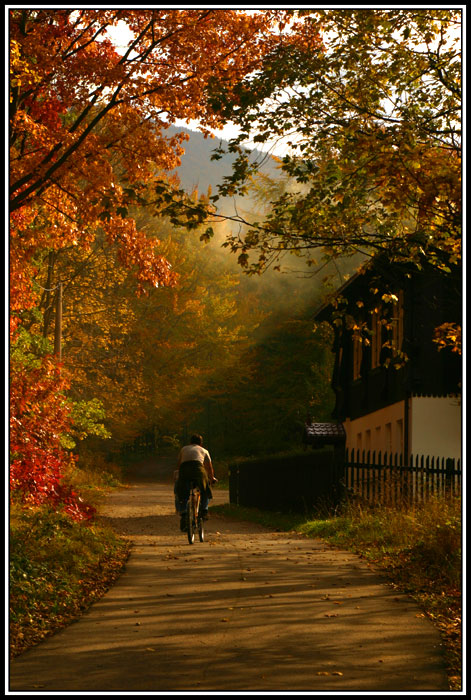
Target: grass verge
59,567
417,549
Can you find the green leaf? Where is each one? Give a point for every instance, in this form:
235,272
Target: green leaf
207,235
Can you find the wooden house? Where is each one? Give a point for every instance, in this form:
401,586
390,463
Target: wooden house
395,391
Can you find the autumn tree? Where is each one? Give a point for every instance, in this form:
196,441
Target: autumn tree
371,119
87,141
87,123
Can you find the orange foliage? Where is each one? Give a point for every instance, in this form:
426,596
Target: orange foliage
87,142
87,126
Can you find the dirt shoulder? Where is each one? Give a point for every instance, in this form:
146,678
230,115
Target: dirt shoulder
247,610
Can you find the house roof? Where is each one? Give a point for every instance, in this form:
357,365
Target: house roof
318,434
337,293
369,266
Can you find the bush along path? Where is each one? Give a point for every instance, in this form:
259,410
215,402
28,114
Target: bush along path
251,608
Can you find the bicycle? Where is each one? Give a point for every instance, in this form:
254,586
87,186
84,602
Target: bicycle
194,520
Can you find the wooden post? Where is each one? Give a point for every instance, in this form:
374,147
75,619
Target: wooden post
58,324
449,475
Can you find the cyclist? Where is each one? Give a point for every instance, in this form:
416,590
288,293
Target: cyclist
194,464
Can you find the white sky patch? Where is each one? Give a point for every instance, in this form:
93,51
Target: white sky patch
120,35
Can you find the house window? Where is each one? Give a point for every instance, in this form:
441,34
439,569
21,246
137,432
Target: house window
357,356
398,323
367,439
358,441
376,338
394,320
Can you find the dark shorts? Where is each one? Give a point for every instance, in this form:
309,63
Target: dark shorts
188,472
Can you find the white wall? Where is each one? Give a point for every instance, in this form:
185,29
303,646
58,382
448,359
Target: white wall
380,431
435,426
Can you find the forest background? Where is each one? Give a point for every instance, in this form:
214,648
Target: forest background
130,321
234,357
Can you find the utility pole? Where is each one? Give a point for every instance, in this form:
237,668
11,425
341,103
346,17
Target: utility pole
58,324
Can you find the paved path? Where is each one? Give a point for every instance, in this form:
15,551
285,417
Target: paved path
247,610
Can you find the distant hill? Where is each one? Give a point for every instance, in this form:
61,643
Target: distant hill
199,171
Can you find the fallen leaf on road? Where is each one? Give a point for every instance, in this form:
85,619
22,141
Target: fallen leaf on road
329,673
149,649
330,615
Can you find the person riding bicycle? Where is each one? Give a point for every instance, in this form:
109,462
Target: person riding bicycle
194,464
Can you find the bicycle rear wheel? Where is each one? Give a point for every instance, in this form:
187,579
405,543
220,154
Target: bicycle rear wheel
191,522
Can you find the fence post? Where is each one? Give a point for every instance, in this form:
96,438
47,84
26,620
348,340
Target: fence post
389,480
347,469
358,471
449,470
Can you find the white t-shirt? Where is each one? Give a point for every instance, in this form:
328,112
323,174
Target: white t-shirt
191,453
